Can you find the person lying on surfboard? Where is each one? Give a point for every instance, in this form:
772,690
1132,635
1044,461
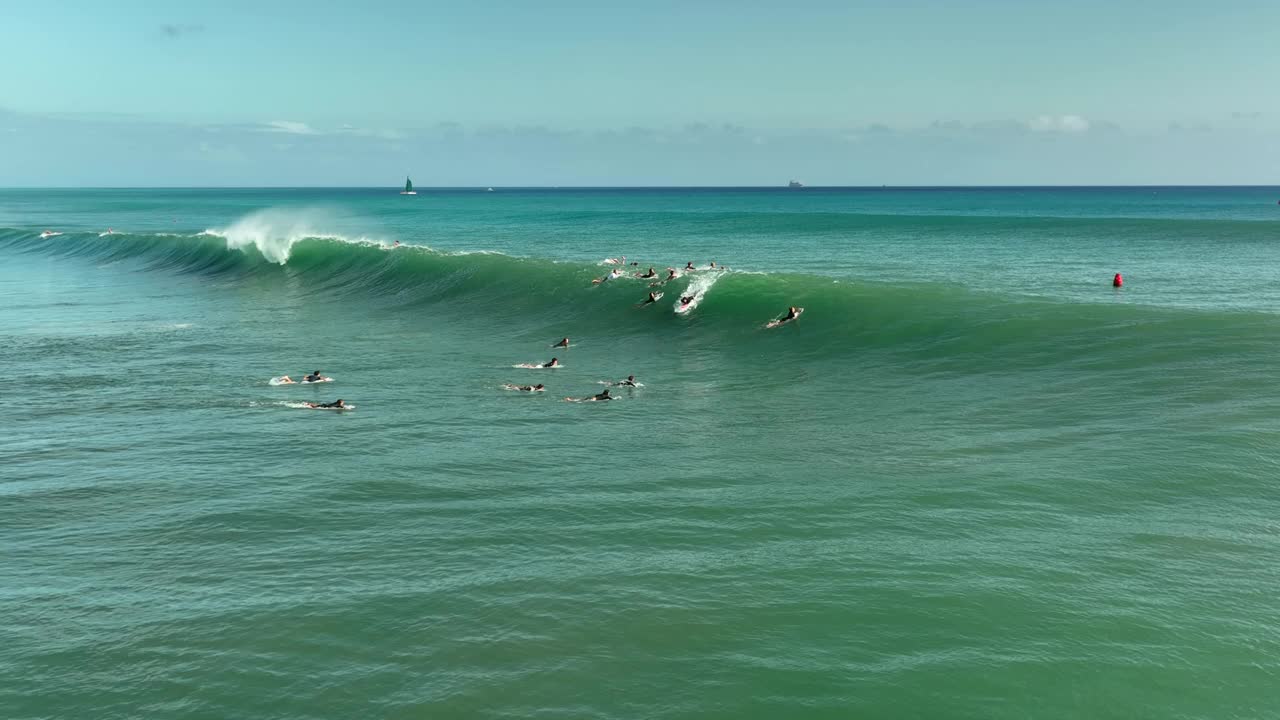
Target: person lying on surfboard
614,275
653,298
792,313
604,395
525,388
689,266
647,275
551,363
671,275
313,377
686,299
629,382
335,405
563,343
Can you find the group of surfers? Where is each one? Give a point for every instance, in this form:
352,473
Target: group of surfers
793,312
649,274
314,377
603,395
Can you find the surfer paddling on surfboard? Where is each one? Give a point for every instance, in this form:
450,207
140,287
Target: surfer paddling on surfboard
335,405
563,343
525,388
671,275
647,275
604,395
653,298
792,313
552,363
614,275
314,377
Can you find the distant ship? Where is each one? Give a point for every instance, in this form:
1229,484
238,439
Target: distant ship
795,184
408,188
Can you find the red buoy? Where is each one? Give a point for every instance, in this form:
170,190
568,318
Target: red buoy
1117,281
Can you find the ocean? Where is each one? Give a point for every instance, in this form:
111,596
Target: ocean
972,480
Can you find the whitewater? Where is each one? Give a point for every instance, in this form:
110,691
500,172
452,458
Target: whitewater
972,480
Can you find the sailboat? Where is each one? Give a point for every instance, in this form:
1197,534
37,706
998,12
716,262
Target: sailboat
408,188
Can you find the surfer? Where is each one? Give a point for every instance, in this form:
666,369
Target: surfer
793,312
689,266
614,275
563,343
335,405
553,362
525,388
629,382
686,299
713,264
653,298
604,395
396,244
314,377
647,275
671,275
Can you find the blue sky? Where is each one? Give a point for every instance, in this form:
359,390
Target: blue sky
665,93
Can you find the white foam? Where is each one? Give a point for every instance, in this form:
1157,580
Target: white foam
275,231
699,286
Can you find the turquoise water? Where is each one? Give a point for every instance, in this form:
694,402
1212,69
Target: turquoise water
972,481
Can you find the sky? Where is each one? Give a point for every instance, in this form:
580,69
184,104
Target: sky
860,92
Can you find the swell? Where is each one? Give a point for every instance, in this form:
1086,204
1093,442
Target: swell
942,326
815,221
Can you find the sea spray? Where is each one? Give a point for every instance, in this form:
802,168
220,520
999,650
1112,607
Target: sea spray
274,232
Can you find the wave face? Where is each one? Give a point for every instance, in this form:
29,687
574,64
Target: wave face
955,326
971,470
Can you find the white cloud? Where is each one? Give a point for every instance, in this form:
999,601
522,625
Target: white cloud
349,129
290,126
1059,123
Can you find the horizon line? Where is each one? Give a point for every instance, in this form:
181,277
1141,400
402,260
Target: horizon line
485,188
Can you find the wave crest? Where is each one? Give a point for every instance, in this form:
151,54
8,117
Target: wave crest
274,232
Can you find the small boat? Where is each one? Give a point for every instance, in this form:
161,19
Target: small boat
408,188
795,184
